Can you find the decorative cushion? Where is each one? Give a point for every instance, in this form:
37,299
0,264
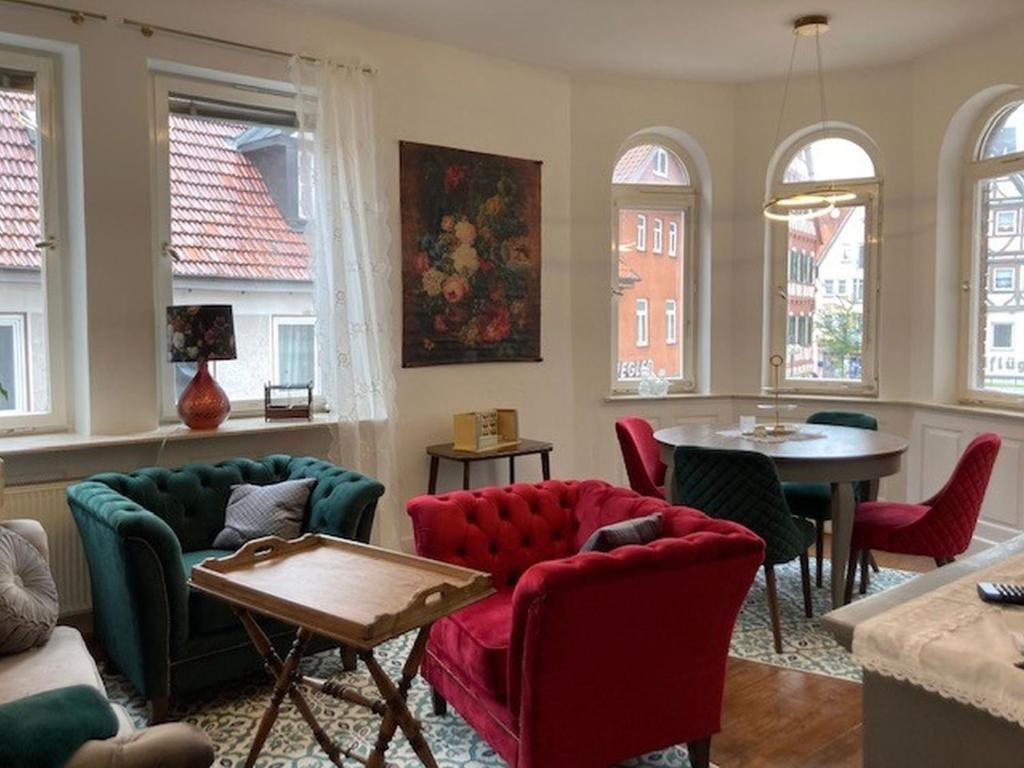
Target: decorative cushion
264,510
44,730
639,530
599,504
475,640
28,596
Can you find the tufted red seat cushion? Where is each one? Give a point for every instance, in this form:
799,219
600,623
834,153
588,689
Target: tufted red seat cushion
475,641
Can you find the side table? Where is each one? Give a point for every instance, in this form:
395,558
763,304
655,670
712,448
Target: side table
467,458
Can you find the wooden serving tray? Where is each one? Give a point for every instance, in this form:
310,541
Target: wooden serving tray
355,593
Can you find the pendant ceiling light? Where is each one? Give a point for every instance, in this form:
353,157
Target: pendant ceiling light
807,204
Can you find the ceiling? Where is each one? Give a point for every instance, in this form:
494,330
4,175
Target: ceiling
726,40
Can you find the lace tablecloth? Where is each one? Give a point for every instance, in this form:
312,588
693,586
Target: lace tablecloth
800,434
951,643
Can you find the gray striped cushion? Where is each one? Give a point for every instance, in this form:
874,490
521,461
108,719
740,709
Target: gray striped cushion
28,596
264,510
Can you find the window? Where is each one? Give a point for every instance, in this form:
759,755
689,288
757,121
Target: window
1002,335
643,288
643,329
994,182
670,321
1002,279
31,238
294,352
641,232
822,304
231,218
1005,222
660,162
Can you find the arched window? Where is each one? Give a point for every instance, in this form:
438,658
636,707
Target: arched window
653,266
823,302
994,257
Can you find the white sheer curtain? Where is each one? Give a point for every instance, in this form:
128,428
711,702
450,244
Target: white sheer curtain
343,199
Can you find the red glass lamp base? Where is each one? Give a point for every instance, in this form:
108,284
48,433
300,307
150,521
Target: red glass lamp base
203,404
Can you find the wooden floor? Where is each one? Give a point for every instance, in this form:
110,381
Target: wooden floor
779,718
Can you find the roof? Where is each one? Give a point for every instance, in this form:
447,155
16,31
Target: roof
224,222
19,186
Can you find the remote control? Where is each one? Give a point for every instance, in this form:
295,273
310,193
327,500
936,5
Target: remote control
1001,593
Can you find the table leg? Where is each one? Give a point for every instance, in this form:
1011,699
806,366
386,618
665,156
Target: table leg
511,469
432,484
398,714
842,507
545,465
284,684
465,475
277,668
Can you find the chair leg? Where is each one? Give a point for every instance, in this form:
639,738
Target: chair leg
773,606
349,659
874,563
941,561
805,581
440,705
851,576
699,753
819,552
865,557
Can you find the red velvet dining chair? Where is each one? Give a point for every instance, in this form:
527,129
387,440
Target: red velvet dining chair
642,455
940,528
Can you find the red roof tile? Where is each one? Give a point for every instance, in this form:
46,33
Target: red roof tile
223,221
19,196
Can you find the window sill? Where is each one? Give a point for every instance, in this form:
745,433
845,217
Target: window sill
20,445
626,398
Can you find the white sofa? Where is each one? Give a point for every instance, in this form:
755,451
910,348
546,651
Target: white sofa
65,661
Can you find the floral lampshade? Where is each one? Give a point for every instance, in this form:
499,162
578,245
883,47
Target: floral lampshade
200,333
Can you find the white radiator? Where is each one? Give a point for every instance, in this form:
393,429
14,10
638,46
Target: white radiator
47,504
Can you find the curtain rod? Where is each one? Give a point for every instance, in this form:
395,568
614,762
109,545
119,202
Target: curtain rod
148,30
76,15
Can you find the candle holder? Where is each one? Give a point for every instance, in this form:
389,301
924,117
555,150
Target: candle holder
778,429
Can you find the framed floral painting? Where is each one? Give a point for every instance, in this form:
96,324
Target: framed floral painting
470,257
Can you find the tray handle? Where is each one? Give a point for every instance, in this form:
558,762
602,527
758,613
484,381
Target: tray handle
262,549
438,592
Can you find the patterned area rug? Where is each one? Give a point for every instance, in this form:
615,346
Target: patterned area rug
230,714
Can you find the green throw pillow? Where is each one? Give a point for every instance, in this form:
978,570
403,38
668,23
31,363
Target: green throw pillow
45,730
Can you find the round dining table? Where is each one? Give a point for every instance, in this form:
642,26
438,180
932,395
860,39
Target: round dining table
819,453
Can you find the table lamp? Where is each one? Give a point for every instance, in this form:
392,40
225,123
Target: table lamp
198,334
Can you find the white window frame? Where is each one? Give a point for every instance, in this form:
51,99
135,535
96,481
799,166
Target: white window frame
997,227
975,230
660,163
673,199
641,232
234,90
643,323
659,235
52,199
276,322
866,192
19,323
671,322
673,238
992,329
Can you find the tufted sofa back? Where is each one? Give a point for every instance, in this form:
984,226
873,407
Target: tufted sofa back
191,499
503,531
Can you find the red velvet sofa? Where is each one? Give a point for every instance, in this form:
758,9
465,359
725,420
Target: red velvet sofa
586,659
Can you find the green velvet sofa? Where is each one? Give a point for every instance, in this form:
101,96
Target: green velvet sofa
143,532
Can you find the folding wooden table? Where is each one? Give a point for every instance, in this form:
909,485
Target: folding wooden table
354,593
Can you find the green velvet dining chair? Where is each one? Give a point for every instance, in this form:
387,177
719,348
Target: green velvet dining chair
744,487
814,500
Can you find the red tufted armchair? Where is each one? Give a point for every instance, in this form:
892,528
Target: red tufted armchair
584,659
